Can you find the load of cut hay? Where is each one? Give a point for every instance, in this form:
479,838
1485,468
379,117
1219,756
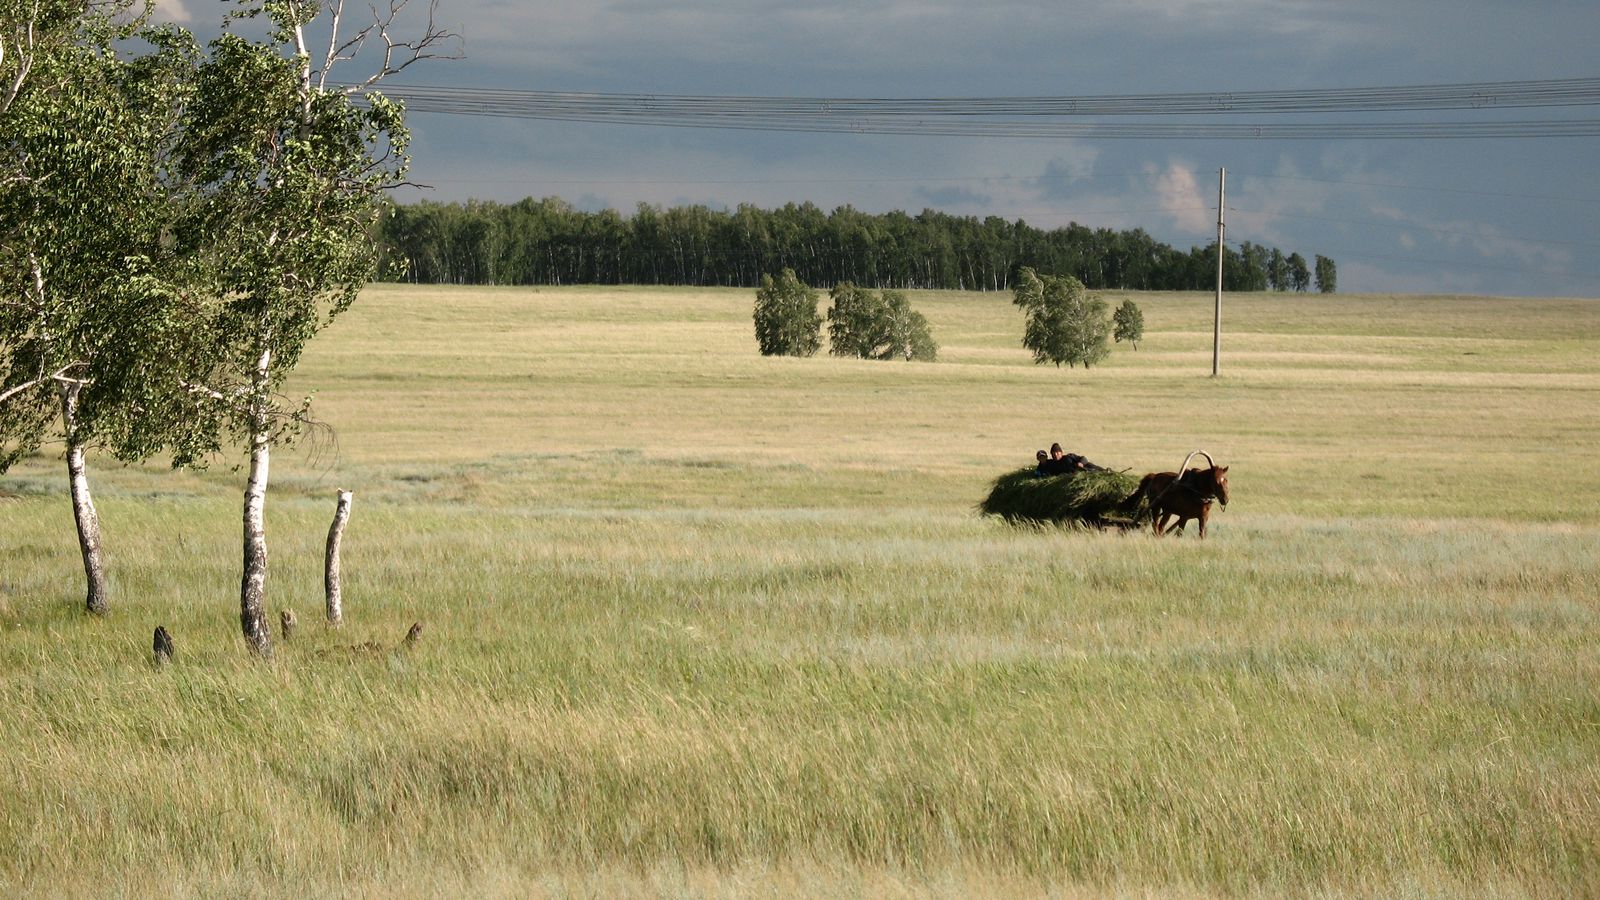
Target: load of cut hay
1094,497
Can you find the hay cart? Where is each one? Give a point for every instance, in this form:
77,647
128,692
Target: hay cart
1094,499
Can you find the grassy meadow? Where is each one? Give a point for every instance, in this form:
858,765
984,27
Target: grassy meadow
702,623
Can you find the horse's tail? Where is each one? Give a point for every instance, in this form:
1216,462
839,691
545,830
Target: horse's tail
1140,494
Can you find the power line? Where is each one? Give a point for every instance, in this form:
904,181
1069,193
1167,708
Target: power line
983,179
1062,130
1475,95
929,179
1043,117
995,177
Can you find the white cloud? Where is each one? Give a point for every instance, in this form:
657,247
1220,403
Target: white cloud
173,11
1181,197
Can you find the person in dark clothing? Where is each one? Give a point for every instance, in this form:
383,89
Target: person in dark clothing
1044,463
1062,462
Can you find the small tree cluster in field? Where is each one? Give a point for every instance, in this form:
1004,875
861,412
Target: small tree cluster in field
786,317
1129,321
1065,324
882,326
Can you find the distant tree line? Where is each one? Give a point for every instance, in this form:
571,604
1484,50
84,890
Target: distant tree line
551,242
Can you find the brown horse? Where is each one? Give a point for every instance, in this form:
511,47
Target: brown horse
1187,498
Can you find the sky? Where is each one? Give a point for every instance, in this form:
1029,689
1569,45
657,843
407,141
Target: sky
1512,216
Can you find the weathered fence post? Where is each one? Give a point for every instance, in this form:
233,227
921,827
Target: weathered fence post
330,579
161,646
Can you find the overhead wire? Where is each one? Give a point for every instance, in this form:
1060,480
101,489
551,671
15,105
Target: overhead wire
994,178
1047,116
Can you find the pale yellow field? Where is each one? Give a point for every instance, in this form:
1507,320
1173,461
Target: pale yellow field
702,623
1440,407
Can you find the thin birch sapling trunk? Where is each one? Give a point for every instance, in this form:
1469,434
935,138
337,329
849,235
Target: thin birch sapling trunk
253,583
83,511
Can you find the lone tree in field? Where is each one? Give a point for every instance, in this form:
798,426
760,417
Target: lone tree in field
1064,323
83,239
786,317
1129,321
1327,275
882,326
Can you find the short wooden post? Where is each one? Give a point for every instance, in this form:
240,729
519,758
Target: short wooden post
330,579
161,646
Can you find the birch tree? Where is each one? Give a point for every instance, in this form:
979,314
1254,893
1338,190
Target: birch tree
31,29
81,207
1064,323
288,172
786,317
1129,322
877,327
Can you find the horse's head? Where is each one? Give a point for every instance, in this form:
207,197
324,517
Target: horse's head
1219,476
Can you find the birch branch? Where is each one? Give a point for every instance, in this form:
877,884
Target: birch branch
10,392
59,376
398,55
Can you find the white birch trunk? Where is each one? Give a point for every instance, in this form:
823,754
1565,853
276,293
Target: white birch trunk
83,511
330,580
253,583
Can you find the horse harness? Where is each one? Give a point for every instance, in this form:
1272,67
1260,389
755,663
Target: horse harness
1205,498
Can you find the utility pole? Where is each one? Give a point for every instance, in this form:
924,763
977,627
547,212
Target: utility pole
1216,320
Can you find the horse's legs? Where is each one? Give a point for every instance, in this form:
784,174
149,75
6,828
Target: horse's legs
1161,521
1205,512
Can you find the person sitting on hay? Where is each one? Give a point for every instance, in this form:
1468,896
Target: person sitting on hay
1064,463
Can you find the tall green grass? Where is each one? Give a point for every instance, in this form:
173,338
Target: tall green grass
683,639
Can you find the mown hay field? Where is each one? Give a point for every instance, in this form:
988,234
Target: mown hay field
702,623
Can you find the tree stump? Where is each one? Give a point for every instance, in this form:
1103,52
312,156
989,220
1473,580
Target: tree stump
287,623
162,646
330,580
